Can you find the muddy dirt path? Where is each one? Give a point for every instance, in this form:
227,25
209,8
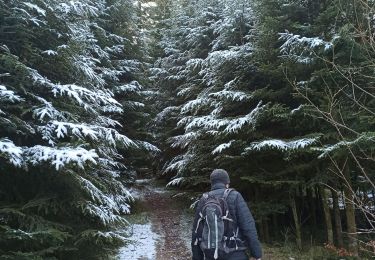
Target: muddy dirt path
167,223
161,226
166,233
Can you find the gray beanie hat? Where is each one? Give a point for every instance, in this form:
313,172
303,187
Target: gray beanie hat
219,176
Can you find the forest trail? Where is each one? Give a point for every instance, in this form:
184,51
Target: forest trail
165,231
161,226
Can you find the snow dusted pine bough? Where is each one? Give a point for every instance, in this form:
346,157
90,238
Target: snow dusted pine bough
66,120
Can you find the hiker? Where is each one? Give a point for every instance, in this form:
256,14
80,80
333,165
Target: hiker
223,226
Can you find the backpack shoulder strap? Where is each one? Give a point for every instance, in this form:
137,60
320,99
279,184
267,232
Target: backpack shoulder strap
205,195
226,193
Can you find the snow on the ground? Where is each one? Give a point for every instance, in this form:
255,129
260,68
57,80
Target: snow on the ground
160,190
142,188
186,225
136,194
143,245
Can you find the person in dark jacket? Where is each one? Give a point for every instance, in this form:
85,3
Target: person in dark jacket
248,237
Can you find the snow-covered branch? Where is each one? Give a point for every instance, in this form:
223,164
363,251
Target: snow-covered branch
11,152
61,156
219,149
8,95
93,132
282,145
303,49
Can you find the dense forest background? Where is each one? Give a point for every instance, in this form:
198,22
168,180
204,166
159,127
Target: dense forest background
94,94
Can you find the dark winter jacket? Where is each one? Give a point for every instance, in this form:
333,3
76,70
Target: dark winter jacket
241,214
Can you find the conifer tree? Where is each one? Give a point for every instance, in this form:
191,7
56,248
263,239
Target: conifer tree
235,93
61,67
331,56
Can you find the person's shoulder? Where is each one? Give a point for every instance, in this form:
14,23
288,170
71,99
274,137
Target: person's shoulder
234,194
203,197
234,191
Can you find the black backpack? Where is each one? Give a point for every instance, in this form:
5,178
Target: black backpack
215,230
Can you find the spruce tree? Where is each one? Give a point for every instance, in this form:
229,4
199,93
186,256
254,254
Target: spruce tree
61,189
333,54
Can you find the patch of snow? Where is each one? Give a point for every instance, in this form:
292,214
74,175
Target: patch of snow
341,202
195,104
193,64
143,181
8,95
94,132
178,163
231,95
297,109
186,221
165,113
102,213
131,87
142,245
219,57
136,194
64,46
59,157
208,122
46,110
184,140
297,40
149,147
133,104
303,49
83,96
230,84
281,145
237,124
364,138
176,181
50,52
149,4
37,22
222,147
12,152
36,8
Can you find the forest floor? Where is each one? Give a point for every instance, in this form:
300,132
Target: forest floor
161,226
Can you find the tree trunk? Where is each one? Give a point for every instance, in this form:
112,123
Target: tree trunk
297,222
266,230
260,223
312,208
350,214
327,215
275,224
336,212
318,205
261,229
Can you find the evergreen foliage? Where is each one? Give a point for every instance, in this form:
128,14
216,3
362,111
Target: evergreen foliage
71,103
277,93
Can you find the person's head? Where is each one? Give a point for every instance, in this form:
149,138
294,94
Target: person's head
220,176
